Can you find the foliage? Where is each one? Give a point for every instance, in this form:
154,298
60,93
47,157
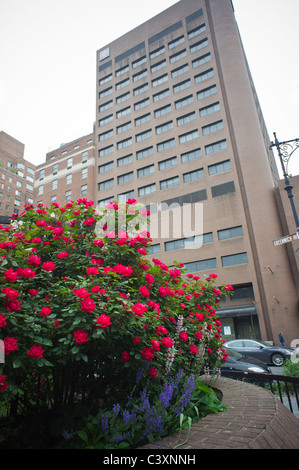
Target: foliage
83,310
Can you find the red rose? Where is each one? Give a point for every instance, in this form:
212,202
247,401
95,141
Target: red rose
27,273
193,349
87,305
81,336
89,222
152,373
144,291
11,275
10,293
48,266
103,321
62,255
10,345
198,335
167,342
183,336
156,345
2,320
81,293
13,305
125,356
45,311
124,270
161,330
3,384
35,352
33,292
92,271
162,291
34,260
139,309
148,353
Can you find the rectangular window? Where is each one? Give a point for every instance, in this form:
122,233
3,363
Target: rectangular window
153,249
68,195
106,120
106,167
124,143
233,260
164,127
125,178
106,150
122,98
145,171
211,128
144,153
199,45
123,112
141,89
207,110
193,175
121,71
122,84
106,184
177,56
196,240
168,163
169,183
141,104
145,190
188,136
162,94
105,135
162,111
69,179
184,102
202,265
157,52
84,156
182,85
139,75
167,144
104,202
55,169
105,79
124,127
219,167
186,119
179,71
84,173
138,62
232,232
195,32
207,92
176,42
124,160
103,107
143,135
201,77
143,119
158,66
201,60
54,184
41,174
69,163
84,190
157,81
216,147
105,92
123,197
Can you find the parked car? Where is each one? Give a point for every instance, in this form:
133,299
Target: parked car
274,355
239,363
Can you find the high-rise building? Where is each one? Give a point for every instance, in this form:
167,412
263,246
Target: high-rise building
17,177
178,123
67,174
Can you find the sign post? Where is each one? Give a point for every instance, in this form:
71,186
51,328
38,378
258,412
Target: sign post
286,239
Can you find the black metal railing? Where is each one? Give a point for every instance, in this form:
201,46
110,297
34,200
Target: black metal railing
285,387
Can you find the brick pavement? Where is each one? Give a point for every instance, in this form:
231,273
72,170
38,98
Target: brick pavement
255,419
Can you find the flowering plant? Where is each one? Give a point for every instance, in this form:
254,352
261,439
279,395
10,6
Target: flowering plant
83,309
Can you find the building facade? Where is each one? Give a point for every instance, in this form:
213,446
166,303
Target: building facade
178,124
17,178
67,174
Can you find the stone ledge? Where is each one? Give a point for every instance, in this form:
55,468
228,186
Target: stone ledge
255,419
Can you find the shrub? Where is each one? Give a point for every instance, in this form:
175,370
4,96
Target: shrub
83,310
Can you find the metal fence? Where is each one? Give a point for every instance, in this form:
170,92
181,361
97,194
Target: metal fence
284,387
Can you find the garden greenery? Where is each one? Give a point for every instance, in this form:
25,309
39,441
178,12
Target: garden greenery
91,320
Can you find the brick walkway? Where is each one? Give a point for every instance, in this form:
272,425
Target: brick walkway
255,419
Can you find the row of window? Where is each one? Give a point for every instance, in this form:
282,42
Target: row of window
69,165
156,67
84,175
155,53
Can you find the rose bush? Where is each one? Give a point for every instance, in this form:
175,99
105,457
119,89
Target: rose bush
83,310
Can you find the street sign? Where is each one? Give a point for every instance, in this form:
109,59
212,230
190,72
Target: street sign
286,239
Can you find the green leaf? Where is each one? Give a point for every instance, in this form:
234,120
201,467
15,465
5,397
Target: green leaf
75,350
17,363
83,435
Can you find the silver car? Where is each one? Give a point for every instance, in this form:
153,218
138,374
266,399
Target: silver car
274,355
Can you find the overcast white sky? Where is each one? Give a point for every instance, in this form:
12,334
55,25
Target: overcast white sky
48,64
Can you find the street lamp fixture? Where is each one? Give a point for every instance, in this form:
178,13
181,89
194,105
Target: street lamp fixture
285,151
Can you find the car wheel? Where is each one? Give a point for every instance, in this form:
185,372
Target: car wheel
277,359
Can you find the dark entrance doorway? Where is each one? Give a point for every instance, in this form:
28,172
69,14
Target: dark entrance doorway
247,327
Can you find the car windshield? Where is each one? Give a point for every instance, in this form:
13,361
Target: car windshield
233,354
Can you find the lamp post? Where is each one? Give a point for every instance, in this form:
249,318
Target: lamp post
285,151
